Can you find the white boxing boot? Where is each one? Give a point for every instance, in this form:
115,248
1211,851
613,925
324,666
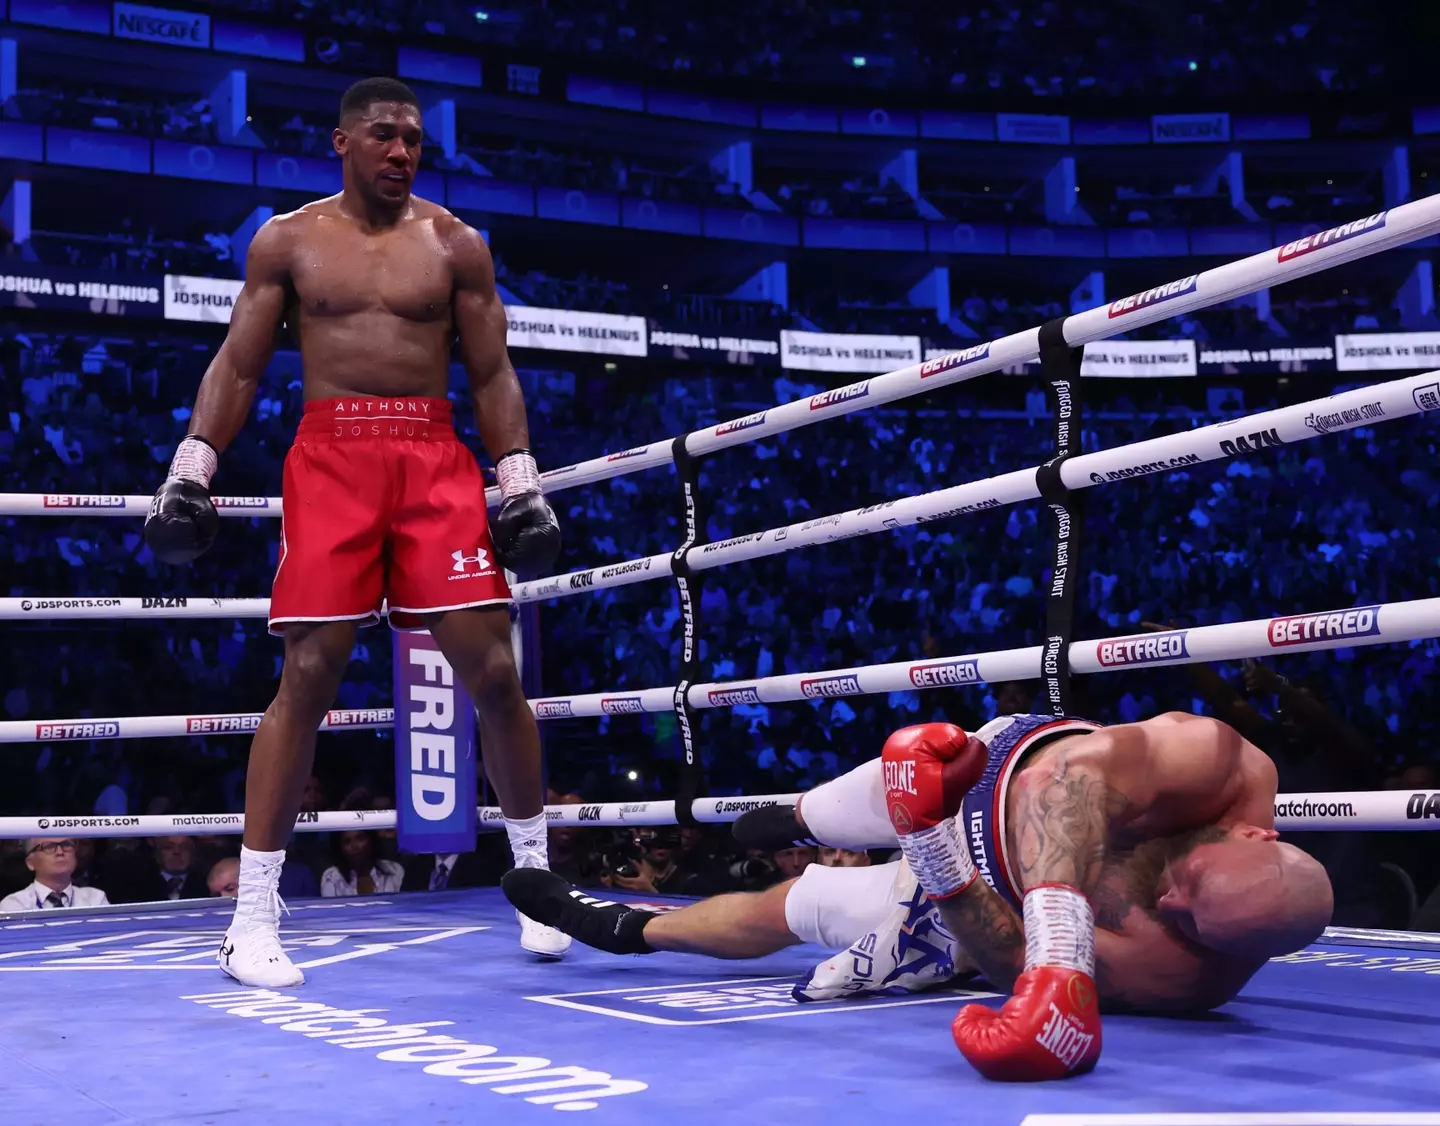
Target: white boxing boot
536,938
251,951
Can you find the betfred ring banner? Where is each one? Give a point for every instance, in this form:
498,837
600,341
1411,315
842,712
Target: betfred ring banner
435,752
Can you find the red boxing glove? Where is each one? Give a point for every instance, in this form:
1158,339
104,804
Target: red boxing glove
1050,1026
927,771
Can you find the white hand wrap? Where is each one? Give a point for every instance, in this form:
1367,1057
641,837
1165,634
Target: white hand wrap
1059,929
939,858
195,460
517,473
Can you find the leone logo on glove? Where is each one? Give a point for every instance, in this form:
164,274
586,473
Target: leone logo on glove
900,819
900,776
1064,1039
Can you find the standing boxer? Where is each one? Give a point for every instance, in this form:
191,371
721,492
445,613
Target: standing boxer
381,500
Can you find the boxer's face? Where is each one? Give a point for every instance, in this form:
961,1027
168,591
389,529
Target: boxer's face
381,144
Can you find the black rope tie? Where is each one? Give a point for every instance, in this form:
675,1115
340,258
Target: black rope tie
688,584
1060,368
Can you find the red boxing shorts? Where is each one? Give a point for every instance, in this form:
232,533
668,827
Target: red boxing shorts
382,502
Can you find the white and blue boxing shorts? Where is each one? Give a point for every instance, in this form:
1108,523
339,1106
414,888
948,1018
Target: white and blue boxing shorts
892,938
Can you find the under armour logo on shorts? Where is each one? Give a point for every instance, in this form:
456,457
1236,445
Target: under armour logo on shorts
481,559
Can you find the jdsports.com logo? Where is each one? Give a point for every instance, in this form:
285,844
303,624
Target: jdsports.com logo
90,822
70,604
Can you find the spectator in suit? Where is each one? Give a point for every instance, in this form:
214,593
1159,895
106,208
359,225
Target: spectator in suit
173,875
481,867
53,863
356,869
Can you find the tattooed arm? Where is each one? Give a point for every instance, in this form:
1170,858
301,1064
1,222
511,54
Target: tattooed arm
989,930
1058,828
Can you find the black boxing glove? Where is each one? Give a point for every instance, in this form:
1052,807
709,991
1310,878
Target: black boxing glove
526,535
182,522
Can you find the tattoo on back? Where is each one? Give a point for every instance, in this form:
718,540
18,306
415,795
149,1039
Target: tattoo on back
1063,818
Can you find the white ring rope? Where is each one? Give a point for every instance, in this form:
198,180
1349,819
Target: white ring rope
1295,633
1311,254
177,726
1361,810
1360,406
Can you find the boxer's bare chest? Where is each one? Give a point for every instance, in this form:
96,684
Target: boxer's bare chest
340,271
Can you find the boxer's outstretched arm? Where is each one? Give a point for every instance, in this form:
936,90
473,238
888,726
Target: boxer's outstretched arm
482,327
228,389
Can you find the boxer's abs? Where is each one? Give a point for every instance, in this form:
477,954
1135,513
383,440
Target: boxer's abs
372,354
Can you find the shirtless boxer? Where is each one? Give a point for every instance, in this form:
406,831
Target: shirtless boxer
1145,857
381,501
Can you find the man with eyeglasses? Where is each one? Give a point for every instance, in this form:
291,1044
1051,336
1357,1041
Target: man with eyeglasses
53,862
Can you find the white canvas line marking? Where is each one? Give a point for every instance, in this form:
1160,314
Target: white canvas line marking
564,1000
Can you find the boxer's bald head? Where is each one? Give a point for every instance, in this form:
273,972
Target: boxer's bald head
1241,891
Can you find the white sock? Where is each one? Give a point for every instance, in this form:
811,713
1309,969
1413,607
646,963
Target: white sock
528,841
259,877
849,811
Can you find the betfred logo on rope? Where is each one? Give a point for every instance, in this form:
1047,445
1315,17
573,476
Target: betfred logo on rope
1304,629
945,674
1150,649
839,395
554,709
45,732
354,717
621,705
242,502
220,724
1312,243
74,500
828,686
1167,292
954,360
623,454
730,697
739,424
